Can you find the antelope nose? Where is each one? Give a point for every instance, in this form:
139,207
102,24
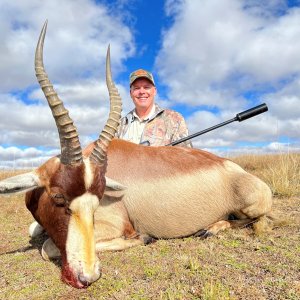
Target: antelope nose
86,279
83,281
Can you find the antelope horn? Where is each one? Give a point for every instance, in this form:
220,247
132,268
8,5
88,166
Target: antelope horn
71,152
99,152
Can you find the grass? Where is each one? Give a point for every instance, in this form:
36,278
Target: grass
235,264
281,172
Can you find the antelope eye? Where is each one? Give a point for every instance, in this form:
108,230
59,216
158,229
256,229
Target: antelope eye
58,199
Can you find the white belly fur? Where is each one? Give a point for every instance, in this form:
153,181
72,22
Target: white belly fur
176,208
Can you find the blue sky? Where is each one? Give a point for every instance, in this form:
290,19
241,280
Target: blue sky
147,28
211,59
147,20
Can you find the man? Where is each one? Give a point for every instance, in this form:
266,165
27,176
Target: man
148,123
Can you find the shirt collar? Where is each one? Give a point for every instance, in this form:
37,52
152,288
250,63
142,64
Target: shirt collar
151,113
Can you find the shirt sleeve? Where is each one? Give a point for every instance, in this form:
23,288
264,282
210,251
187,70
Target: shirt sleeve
181,132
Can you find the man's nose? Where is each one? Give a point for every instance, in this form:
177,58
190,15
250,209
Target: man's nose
142,90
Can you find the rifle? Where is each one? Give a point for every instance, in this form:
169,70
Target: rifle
254,111
242,116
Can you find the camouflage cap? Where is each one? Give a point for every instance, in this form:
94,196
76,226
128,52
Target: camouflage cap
140,73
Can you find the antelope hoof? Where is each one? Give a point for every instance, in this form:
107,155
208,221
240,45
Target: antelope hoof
49,250
147,239
203,234
35,229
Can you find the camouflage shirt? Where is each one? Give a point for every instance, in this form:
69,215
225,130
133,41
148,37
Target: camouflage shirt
164,127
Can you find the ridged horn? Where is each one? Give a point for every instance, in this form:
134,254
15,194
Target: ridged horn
71,152
100,150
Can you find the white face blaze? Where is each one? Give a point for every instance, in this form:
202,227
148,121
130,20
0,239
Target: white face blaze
80,245
89,175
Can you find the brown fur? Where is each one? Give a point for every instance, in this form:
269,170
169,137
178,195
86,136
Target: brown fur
69,180
98,185
123,155
65,182
171,192
175,191
53,218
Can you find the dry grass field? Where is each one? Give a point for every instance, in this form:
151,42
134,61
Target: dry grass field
236,264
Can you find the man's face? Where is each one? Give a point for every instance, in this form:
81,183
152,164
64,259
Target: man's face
142,93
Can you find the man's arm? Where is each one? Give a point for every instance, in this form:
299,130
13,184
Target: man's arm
181,132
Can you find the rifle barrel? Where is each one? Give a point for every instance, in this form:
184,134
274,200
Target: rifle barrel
254,111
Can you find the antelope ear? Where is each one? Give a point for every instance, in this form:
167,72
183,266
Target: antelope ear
114,188
20,183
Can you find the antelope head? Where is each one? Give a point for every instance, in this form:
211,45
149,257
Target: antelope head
64,192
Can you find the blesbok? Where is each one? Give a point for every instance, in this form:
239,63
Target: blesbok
64,192
154,192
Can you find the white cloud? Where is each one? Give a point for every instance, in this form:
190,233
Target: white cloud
13,157
260,129
282,147
217,53
202,119
92,93
216,50
30,125
272,148
74,57
75,45
212,54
